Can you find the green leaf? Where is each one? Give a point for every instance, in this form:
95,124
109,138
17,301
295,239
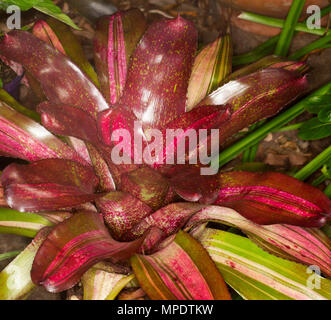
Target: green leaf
8,255
308,246
44,6
22,4
21,223
15,280
317,103
57,15
325,114
258,275
313,129
211,66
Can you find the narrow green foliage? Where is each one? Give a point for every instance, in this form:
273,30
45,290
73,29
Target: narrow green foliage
287,33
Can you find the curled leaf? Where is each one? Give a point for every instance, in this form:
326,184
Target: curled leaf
121,212
147,185
256,96
168,219
72,247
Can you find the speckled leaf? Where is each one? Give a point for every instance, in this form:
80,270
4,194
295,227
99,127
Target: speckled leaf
48,185
211,66
159,72
256,96
72,247
147,185
116,38
274,62
181,271
59,119
21,223
168,219
61,80
270,197
122,211
26,139
61,37
15,280
305,245
258,275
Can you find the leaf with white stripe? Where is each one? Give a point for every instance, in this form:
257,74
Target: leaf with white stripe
21,223
258,275
305,245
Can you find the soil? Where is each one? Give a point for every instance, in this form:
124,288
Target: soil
282,150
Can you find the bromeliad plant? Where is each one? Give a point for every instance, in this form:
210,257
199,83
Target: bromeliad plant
142,224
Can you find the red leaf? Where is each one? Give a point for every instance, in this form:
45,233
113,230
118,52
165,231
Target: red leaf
272,198
72,247
26,139
159,72
47,185
61,80
168,219
115,39
256,96
202,117
189,184
59,120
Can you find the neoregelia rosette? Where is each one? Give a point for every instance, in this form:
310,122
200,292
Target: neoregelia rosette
149,77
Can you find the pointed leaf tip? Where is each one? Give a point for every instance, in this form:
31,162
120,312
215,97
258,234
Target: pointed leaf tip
159,72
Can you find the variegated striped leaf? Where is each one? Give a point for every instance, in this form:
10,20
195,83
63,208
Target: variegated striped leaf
115,40
102,285
305,245
258,275
181,270
211,66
